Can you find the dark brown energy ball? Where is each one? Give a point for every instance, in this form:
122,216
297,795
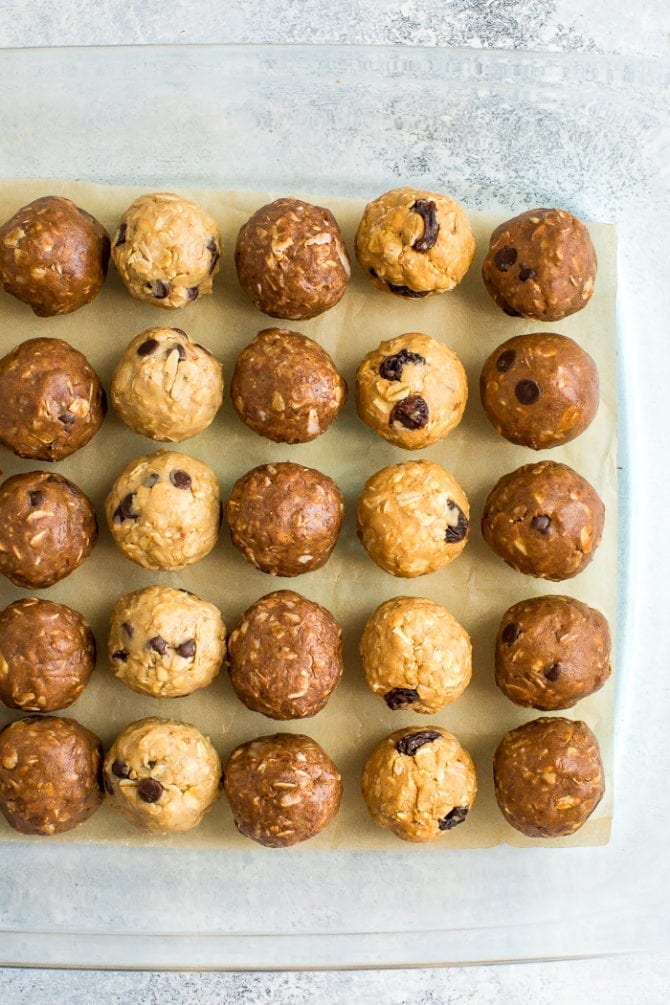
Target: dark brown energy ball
540,265
291,260
282,789
285,656
285,518
539,390
286,387
53,256
544,520
51,400
548,776
50,774
47,655
47,528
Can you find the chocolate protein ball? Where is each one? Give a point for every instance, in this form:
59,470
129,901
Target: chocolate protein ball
51,400
47,655
412,518
286,387
414,244
291,260
166,250
540,265
165,386
282,789
551,651
165,642
285,518
49,774
164,510
411,390
415,655
544,520
162,776
285,656
53,256
548,776
47,528
419,783
539,390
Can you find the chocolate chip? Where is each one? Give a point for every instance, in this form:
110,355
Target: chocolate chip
410,744
120,654
527,392
454,818
427,210
181,352
553,672
511,633
158,289
526,273
390,368
128,629
505,258
67,418
148,347
158,644
401,697
405,291
456,532
150,480
541,523
186,649
125,511
192,292
120,769
505,360
150,790
411,412
180,479
121,235
36,497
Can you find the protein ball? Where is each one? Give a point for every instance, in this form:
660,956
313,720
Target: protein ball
413,243
285,518
165,386
551,652
291,260
49,774
53,256
166,250
285,656
286,387
544,520
412,518
282,789
411,390
47,528
539,390
415,655
162,776
540,265
164,510
548,776
165,642
419,783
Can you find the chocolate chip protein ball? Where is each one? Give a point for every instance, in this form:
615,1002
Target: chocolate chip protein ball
548,776
162,776
551,651
415,655
291,260
47,528
285,518
419,783
540,265
51,400
47,655
165,642
49,774
411,390
165,386
53,256
412,518
286,387
166,250
544,520
285,656
414,244
164,510
282,789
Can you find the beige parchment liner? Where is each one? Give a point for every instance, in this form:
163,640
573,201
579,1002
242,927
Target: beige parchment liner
476,588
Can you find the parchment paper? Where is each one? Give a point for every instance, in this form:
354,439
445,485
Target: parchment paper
476,588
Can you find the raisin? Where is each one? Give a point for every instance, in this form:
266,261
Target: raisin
401,697
36,497
458,531
68,419
405,291
427,210
505,360
454,818
505,258
541,523
410,743
411,412
390,368
511,633
553,672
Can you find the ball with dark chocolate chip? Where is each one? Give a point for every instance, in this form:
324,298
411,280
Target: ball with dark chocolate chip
282,789
291,260
47,528
540,265
285,656
544,520
53,256
548,776
285,518
49,774
551,651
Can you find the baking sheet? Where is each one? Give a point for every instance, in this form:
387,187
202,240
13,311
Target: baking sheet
476,588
